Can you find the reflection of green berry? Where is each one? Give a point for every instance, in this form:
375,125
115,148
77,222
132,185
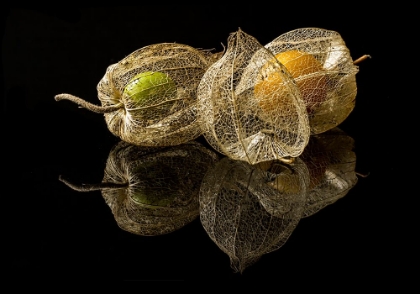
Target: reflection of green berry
150,85
158,185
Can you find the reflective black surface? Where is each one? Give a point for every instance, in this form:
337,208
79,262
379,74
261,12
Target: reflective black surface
57,233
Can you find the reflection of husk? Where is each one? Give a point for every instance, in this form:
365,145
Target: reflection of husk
337,164
234,217
251,210
283,184
187,162
180,168
325,172
330,50
233,123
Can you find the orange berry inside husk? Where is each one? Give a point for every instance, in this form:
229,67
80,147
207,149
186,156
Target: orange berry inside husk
308,74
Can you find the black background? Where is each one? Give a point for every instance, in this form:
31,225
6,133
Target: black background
55,233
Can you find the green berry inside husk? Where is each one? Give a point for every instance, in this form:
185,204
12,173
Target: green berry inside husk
150,85
158,185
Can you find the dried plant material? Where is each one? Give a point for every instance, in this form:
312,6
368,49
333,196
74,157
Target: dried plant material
246,116
331,162
149,98
282,182
153,191
324,71
232,213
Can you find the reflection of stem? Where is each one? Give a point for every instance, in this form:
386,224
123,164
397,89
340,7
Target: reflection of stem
360,59
88,105
287,160
92,187
362,175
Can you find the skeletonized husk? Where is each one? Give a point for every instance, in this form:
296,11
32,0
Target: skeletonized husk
171,174
283,184
236,220
330,155
166,119
233,122
338,69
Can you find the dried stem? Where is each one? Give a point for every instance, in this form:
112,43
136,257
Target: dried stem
88,105
362,175
92,187
360,59
287,160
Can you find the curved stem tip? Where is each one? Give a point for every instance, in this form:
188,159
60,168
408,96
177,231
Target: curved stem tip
87,105
92,187
362,175
362,58
287,160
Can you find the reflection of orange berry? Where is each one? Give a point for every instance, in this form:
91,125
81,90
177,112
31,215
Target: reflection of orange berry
307,72
286,180
317,159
